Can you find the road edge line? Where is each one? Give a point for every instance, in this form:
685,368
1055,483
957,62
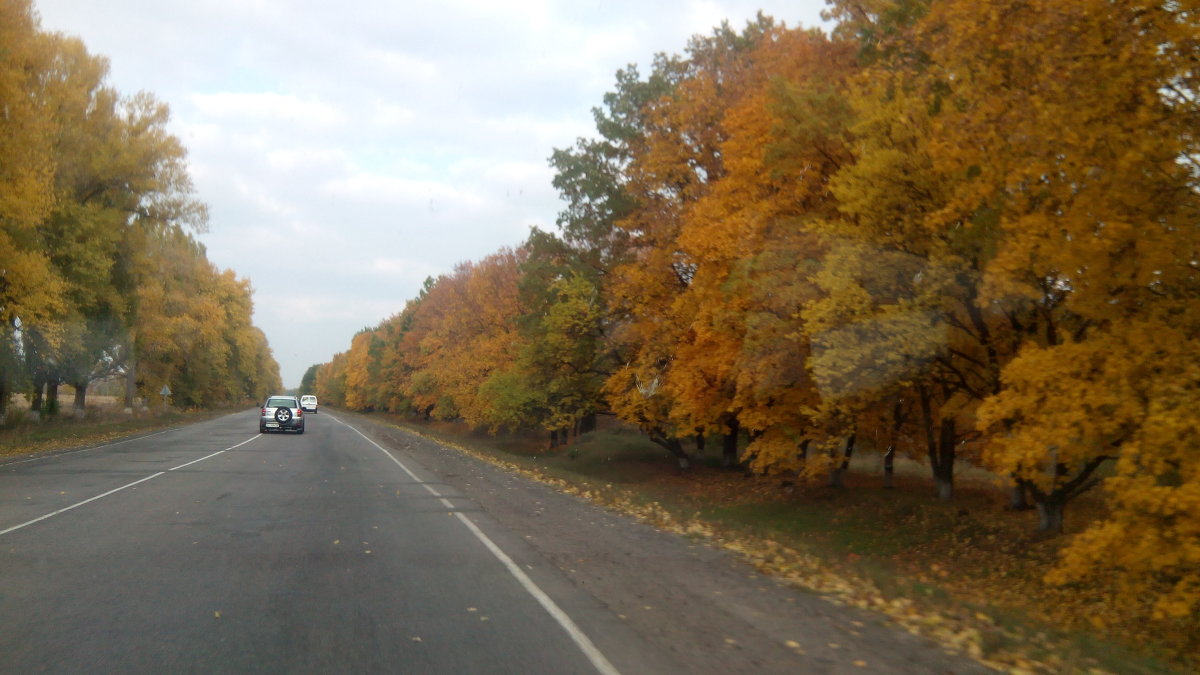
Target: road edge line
581,640
39,519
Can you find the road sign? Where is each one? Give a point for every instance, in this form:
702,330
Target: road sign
166,391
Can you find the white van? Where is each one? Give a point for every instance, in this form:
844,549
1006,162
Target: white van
309,403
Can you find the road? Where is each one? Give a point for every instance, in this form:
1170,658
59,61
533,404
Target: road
361,548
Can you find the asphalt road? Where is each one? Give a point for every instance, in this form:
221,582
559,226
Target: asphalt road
354,548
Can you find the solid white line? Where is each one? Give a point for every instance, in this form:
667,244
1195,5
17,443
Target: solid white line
235,447
39,519
581,640
14,528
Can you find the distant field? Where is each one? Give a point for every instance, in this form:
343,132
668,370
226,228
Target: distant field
66,395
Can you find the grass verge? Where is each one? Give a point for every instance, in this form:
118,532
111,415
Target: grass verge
967,573
98,426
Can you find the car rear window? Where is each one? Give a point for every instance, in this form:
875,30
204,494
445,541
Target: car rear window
281,403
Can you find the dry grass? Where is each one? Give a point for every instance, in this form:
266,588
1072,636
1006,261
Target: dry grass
104,421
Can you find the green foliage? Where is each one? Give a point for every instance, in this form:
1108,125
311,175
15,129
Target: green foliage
309,380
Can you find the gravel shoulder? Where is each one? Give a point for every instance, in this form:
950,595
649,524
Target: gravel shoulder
703,608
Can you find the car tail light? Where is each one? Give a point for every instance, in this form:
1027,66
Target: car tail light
264,411
299,412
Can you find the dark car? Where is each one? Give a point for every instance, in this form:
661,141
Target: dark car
281,413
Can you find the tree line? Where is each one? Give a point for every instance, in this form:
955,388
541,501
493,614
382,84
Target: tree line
962,231
100,272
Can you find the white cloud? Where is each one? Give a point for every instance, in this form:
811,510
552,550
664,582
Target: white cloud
270,107
362,146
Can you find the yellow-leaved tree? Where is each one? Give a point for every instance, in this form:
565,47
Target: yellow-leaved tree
30,290
676,161
898,332
784,138
1074,123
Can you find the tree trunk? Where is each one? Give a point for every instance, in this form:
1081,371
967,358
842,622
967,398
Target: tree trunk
553,438
941,447
1050,517
80,407
675,447
889,457
52,398
39,386
945,489
729,446
838,476
1051,505
588,423
5,393
130,373
1017,498
943,470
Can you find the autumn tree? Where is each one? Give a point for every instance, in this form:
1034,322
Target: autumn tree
331,381
465,335
675,162
900,325
1085,148
29,288
744,358
562,353
82,233
568,349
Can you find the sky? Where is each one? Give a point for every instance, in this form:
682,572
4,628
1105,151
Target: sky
349,150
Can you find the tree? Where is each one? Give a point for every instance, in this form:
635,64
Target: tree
675,163
743,362
309,380
81,235
1085,147
30,291
901,319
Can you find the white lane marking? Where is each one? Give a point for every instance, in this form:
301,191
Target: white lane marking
585,645
39,519
235,447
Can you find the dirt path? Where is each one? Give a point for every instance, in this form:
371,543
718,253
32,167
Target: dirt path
710,611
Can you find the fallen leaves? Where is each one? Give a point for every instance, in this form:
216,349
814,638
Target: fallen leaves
959,626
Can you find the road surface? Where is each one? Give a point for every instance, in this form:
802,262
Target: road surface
360,548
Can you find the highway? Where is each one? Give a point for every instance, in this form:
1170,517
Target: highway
357,548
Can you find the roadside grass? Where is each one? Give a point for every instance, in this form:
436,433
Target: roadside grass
967,573
20,435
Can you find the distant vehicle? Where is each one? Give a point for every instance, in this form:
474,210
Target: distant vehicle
281,413
309,403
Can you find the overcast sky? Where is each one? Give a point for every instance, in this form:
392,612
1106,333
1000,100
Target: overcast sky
348,150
